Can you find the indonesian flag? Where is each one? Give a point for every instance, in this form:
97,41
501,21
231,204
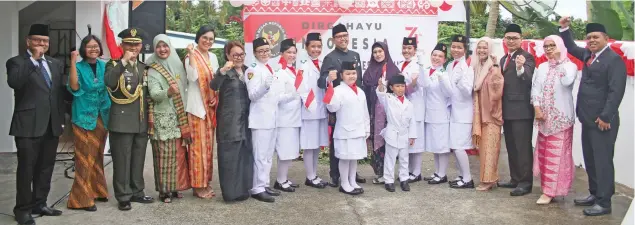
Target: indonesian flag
329,93
110,27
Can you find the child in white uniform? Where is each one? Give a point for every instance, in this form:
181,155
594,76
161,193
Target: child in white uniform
352,127
314,132
400,132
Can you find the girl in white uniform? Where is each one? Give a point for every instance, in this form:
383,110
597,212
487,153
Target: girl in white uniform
416,94
263,92
437,115
400,131
461,83
352,127
314,131
288,118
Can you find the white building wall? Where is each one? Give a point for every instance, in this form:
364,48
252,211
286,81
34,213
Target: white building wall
8,48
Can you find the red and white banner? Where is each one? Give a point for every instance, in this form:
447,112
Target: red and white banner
367,21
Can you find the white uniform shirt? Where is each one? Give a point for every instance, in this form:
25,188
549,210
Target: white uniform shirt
418,95
401,124
351,111
461,84
264,100
437,98
290,103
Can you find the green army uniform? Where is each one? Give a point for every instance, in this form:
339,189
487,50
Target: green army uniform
128,125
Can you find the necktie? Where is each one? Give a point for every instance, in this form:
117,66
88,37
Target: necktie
588,63
404,65
400,98
455,62
292,70
47,78
269,67
317,65
509,56
432,71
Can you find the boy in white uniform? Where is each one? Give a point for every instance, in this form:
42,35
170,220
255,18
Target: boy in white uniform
400,131
261,87
314,131
352,127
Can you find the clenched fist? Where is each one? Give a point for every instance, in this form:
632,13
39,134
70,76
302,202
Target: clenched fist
332,75
74,55
565,21
520,61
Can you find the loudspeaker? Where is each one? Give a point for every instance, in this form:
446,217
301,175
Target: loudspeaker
149,16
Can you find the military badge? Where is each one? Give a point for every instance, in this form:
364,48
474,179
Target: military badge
250,75
133,32
409,41
253,65
460,38
354,66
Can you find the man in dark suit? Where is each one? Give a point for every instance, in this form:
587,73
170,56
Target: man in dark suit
329,73
37,121
127,83
601,90
518,114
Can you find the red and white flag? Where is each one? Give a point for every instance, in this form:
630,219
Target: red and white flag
115,50
328,96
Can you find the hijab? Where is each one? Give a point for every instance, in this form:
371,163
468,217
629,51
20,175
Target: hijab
374,71
481,69
173,63
560,47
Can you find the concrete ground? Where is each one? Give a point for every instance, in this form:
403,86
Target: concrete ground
425,204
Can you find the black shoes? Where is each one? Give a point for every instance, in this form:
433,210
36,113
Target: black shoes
124,206
507,185
272,192
142,199
354,192
596,210
520,191
438,180
263,197
404,185
415,179
282,187
46,211
586,201
430,177
389,187
460,184
23,218
316,183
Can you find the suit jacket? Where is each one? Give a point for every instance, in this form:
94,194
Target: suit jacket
517,89
602,84
36,104
126,118
333,61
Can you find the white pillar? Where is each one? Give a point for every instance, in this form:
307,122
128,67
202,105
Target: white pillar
9,16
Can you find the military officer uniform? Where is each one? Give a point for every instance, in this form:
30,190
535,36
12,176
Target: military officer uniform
127,85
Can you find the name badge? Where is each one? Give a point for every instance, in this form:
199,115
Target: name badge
127,73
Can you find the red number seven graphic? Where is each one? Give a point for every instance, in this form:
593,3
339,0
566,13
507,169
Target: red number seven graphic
413,33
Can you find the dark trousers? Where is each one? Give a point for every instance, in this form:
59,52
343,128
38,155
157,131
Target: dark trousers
334,166
520,153
36,160
235,169
128,152
598,148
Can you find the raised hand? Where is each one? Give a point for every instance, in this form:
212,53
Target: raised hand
38,51
129,56
564,21
74,55
332,75
520,61
190,48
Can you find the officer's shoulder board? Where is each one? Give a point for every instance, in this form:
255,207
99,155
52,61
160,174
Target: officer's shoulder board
112,62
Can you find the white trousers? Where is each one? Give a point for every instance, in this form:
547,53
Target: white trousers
389,164
264,141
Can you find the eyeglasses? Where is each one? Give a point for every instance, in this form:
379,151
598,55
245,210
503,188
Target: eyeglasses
237,56
343,36
211,39
263,51
42,40
93,47
508,38
549,46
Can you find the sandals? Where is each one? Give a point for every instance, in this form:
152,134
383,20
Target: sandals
204,193
165,198
177,194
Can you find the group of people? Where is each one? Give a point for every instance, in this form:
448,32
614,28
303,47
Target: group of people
395,112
